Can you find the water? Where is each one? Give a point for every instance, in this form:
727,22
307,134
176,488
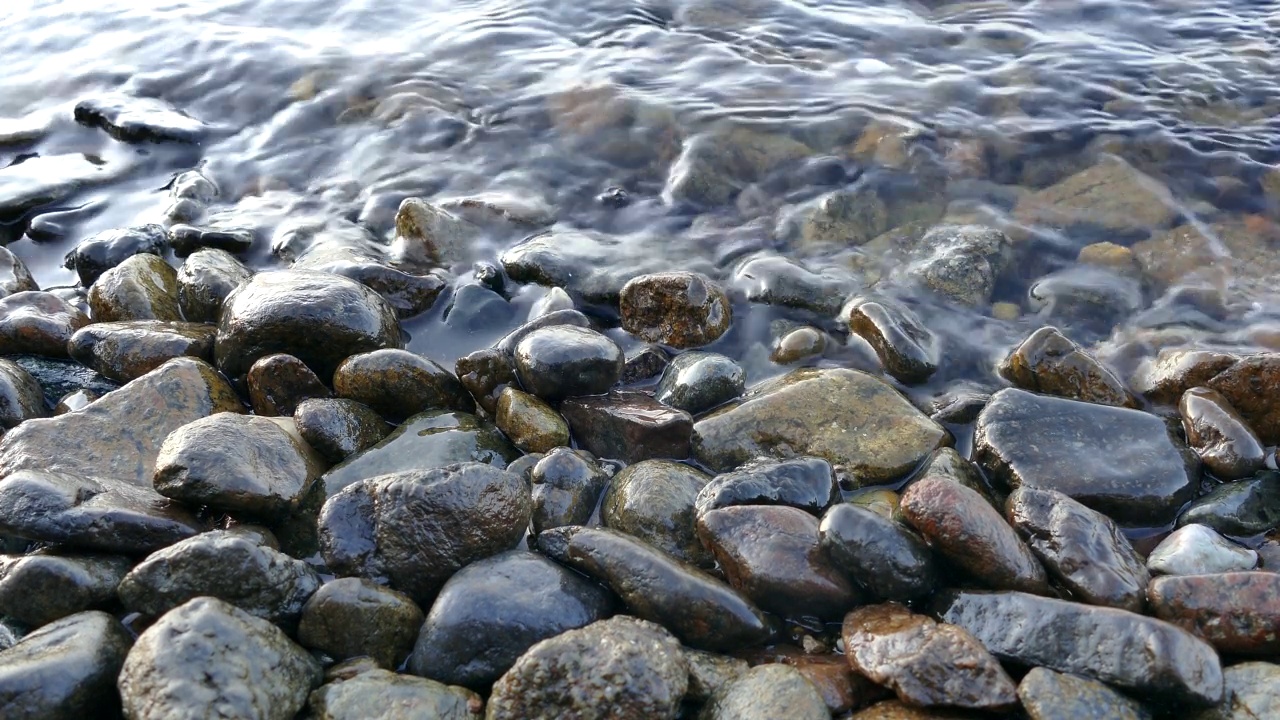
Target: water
334,111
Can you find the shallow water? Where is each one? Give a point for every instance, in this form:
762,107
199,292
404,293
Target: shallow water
324,111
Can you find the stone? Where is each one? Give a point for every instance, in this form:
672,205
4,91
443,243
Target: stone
680,309
621,668
1082,548
1198,550
1238,509
431,236
135,119
878,554
399,384
21,397
555,299
964,528
1251,386
906,348
708,672
386,695
508,343
564,361
187,239
798,345
102,514
649,363
38,323
1237,612
808,483
75,400
475,308
415,529
1050,363
701,610
239,464
947,464
699,381
810,412
143,287
279,383
653,500
100,252
409,295
840,687
485,374
1251,693
430,440
628,426
1125,463
227,565
566,489
1104,644
925,663
319,318
767,691
896,710
960,262
14,275
205,280
1047,695
777,280
127,350
65,670
713,166
38,589
338,429
493,611
1111,198
1236,248
354,617
530,423
1174,371
1222,439
772,555
209,654
838,219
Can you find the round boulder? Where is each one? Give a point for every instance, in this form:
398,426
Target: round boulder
680,309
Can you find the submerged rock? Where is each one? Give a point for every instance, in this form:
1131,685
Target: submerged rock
124,351
1111,197
776,280
680,309
961,262
427,235
354,617
653,500
65,670
38,323
906,348
1049,362
1198,550
628,426
1225,444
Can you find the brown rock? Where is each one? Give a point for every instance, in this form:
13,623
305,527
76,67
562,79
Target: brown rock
1218,434
629,426
1238,613
532,425
1193,253
1049,362
130,349
840,687
1252,386
1173,372
681,309
895,710
279,383
143,287
399,384
38,323
907,349
1111,196
484,373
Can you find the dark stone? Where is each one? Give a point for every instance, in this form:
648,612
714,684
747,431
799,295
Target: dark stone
1114,646
959,405
509,342
566,488
702,611
38,323
60,378
187,239
775,280
587,265
338,429
98,253
699,381
140,119
485,374
565,361
947,464
14,275
1175,371
628,426
126,350
143,287
64,671
925,663
409,294
877,553
680,309
279,383
205,280
907,349
415,529
494,610
21,397
1048,362
399,384
808,483
1239,509
653,500
1238,613
1082,548
1124,463
38,589
490,276
1222,439
1252,387
1047,695
647,364
475,307
764,692
386,695
355,617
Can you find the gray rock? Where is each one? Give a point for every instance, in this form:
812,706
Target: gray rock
566,489
143,287
75,400
430,236
588,265
1251,693
65,670
39,323
776,280
1198,550
628,426
1222,439
140,119
21,397
1239,509
836,220
877,553
386,695
354,617
1047,695
508,343
477,308
765,692
699,381
709,672
714,166
647,364
38,589
1111,197
399,384
187,239
622,667
208,654
566,361
205,280
653,500
127,350
338,429
102,251
808,483
961,262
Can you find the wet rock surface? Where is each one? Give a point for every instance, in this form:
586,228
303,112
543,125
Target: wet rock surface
1238,612
1049,362
14,275
205,280
680,309
399,384
566,488
278,383
135,119
961,262
1198,550
36,590
354,617
532,425
1173,372
563,361
807,483
494,610
906,348
384,694
1250,693
653,500
65,670
628,426
1225,444
878,554
485,374
143,287
767,691
21,397
1126,464
124,351
776,280
1047,695
38,323
102,251
699,381
1238,509
1249,386
338,429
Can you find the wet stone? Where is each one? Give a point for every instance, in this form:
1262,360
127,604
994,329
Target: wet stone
98,253
1198,550
355,617
279,383
653,500
772,555
485,373
399,384
239,464
776,280
338,429
880,555
431,236
1110,197
384,694
1050,363
1238,612
837,219
699,381
1225,444
708,672
1047,695
38,589
906,348
964,528
896,710
563,361
807,483
628,426
714,166
767,691
21,397
925,663
680,309
1173,372
408,294
532,425
65,670
187,239
961,262
566,488
647,364
702,611
494,610
205,280
429,440
143,287
1252,387
509,342
555,299
198,657
1104,644
1082,548
622,668
1252,692
14,275
415,529
947,464
840,687
139,119
1125,463
1239,509
589,266
806,413
475,307
38,323
320,318
799,344
125,350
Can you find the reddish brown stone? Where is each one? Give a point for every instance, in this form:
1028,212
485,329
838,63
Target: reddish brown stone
840,687
680,309
1252,386
1237,613
629,426
1173,372
279,383
1051,363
